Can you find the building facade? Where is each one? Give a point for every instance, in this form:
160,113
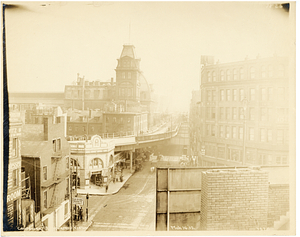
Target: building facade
14,188
45,159
243,113
91,160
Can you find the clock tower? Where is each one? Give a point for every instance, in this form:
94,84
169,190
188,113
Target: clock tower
128,75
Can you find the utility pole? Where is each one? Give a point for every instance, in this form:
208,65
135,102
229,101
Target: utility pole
71,191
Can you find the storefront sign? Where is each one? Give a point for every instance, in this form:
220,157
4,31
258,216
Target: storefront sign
13,195
78,201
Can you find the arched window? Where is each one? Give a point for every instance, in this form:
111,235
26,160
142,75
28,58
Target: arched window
222,76
241,73
209,76
96,163
228,75
263,72
252,73
235,74
214,76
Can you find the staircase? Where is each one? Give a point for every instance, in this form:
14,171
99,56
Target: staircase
55,178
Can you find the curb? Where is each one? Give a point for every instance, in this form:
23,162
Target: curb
106,194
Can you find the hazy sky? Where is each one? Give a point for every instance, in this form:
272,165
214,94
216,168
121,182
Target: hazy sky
49,43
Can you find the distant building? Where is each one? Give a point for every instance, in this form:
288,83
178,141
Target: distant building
45,159
243,110
130,93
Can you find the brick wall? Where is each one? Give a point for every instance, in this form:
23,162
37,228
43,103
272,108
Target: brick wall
278,202
234,200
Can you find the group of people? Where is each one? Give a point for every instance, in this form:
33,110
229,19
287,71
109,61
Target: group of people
78,213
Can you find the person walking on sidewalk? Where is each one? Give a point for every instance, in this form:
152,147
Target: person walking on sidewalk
106,187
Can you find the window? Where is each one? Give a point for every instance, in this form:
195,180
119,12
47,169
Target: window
45,172
235,95
263,114
228,95
209,76
15,179
114,119
242,113
263,72
270,71
270,135
280,71
123,75
252,94
208,95
129,75
234,74
241,133
208,129
263,94
251,113
214,95
70,128
213,130
252,73
221,131
221,152
234,115
241,73
45,199
242,94
262,135
214,76
228,113
227,132
222,116
213,113
228,75
222,76
270,93
14,146
58,144
251,134
54,145
222,95
234,132
280,136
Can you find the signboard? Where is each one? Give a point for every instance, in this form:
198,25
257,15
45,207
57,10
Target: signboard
77,201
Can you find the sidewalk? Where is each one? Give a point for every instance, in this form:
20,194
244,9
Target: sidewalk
113,188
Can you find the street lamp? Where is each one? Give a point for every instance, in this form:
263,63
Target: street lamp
87,206
245,106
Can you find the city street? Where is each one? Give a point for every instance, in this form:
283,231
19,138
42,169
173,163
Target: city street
131,209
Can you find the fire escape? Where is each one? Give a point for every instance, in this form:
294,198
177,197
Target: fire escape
26,187
56,181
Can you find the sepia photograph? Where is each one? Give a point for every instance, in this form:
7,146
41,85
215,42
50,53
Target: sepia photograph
148,118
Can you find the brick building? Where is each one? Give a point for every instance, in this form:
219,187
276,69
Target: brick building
243,109
14,188
45,159
130,91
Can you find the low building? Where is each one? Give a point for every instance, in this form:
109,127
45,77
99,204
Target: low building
92,161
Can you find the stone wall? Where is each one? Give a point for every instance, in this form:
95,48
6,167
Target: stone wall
278,202
234,199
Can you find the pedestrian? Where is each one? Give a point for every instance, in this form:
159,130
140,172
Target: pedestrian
80,213
106,188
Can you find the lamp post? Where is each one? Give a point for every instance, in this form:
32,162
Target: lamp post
87,206
245,106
